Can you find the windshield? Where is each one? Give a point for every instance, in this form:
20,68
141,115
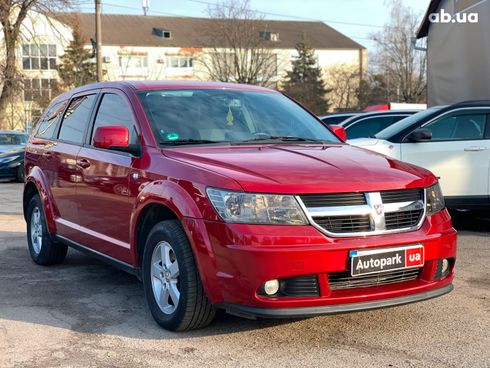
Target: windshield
401,125
228,116
13,139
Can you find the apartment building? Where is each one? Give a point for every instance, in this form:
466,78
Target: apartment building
161,47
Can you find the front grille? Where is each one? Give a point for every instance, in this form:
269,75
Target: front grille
333,200
342,280
405,195
344,224
370,212
400,220
300,286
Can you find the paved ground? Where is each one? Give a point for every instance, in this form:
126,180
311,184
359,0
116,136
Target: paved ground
86,314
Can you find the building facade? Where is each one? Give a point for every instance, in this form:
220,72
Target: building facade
152,48
458,51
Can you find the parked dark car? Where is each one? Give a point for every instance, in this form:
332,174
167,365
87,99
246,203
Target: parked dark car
231,196
12,139
337,118
367,124
12,165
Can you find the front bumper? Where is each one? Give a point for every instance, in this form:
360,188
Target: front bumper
253,312
235,260
9,170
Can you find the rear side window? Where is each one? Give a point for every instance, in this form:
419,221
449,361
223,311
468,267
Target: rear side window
369,127
76,119
460,127
47,126
114,110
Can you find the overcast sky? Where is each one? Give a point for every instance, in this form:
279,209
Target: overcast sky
364,16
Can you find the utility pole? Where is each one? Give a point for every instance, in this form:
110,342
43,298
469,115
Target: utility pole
98,38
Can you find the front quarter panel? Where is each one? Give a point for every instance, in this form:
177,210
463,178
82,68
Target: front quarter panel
37,177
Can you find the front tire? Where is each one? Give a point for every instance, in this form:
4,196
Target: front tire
171,281
20,174
44,251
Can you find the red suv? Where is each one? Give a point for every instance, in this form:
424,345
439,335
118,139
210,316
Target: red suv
231,196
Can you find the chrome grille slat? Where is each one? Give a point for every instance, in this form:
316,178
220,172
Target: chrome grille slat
347,214
342,280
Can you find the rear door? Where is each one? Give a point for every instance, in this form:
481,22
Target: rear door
109,182
459,153
61,162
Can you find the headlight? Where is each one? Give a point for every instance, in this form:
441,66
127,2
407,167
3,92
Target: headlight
253,208
8,159
435,199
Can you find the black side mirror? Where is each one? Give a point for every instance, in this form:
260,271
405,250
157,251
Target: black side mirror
420,135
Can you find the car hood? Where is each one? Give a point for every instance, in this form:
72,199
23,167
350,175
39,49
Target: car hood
302,169
363,142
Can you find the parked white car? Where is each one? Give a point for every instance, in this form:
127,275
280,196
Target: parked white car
451,141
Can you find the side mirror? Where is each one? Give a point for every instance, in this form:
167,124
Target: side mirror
420,135
339,131
112,137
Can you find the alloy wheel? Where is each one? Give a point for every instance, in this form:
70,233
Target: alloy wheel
36,230
165,277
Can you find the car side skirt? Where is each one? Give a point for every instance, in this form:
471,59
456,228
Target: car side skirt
100,256
253,312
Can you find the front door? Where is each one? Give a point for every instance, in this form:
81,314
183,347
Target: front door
106,188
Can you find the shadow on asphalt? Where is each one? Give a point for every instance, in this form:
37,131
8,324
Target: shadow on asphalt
87,296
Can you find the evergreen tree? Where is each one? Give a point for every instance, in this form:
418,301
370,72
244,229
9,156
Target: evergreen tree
304,82
76,67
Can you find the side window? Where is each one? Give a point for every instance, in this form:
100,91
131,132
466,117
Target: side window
76,119
369,127
114,110
47,126
459,127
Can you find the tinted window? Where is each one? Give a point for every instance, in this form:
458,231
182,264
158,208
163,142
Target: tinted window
222,115
460,127
13,139
76,119
370,126
47,126
406,123
114,110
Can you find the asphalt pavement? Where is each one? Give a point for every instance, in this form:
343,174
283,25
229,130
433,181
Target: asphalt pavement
84,313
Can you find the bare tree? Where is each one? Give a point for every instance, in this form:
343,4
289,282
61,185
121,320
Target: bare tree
12,14
403,67
243,55
343,82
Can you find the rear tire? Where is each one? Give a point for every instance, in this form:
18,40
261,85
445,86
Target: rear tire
20,174
171,281
44,251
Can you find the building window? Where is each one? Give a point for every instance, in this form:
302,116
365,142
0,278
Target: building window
38,57
269,36
179,62
133,61
35,89
159,32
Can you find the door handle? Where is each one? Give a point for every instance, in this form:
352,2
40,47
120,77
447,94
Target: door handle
83,163
48,155
474,149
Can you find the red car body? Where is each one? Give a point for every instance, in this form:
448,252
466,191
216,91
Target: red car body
104,208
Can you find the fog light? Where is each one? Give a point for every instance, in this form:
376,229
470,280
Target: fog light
271,287
445,267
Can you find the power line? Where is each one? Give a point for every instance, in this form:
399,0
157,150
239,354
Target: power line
298,17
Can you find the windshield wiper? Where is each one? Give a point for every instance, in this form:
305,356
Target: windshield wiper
188,141
280,138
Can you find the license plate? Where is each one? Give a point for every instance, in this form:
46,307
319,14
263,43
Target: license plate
365,262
